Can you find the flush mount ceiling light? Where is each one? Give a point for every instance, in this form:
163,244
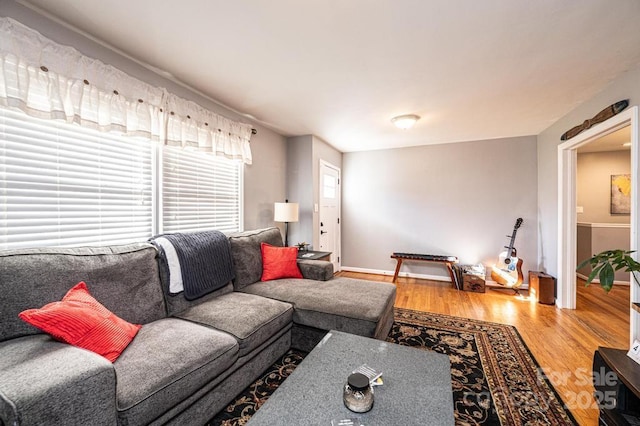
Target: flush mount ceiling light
406,121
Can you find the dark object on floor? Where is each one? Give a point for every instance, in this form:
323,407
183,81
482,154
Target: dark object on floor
603,115
447,260
473,283
617,387
480,352
542,287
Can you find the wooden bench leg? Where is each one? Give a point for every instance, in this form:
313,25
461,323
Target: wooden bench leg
453,278
395,275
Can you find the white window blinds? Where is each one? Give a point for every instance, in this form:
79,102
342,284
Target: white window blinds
200,192
63,185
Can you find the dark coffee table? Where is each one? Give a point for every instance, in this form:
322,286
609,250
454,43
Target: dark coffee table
416,390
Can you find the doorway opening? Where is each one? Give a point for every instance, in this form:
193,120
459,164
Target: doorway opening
603,198
567,198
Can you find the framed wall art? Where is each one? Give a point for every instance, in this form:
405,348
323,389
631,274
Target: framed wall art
621,194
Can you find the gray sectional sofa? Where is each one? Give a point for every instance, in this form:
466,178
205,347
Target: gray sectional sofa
190,358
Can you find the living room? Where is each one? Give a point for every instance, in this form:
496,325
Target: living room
447,195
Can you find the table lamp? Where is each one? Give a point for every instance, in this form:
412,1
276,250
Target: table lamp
285,212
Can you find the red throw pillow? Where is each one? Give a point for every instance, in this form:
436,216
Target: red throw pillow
279,262
82,321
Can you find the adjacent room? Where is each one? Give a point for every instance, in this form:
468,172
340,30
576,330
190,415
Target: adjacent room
334,213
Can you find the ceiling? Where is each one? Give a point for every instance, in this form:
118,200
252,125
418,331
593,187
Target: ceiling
341,70
615,141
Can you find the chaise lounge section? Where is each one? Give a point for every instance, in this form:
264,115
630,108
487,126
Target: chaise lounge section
190,358
320,304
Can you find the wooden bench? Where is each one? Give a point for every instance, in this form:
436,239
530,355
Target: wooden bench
447,260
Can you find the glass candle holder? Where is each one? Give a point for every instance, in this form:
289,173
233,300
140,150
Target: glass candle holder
358,393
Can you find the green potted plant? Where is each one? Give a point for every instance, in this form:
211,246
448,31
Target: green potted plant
606,263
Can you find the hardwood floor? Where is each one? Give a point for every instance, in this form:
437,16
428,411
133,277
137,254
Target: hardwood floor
562,341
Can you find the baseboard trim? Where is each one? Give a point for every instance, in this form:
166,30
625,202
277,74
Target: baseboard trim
488,282
597,281
401,274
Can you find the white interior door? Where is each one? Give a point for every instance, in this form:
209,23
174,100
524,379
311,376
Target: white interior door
330,212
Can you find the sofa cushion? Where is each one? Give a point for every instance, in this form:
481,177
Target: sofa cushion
123,278
46,382
176,303
245,251
80,320
167,362
251,319
279,262
343,304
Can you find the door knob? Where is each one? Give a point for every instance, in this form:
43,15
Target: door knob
323,232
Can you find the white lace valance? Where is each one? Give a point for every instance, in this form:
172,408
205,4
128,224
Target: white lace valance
190,125
51,81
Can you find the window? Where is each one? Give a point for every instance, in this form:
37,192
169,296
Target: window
65,185
329,186
200,192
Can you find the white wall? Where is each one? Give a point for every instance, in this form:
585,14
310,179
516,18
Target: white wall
457,199
264,180
626,86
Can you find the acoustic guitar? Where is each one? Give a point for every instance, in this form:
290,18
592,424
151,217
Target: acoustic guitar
508,270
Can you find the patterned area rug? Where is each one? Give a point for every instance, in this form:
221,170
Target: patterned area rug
495,379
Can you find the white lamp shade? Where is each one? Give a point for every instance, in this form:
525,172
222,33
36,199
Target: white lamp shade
285,212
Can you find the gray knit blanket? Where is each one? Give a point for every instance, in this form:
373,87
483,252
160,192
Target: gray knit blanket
205,261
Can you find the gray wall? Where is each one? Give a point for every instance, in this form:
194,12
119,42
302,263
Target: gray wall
626,86
594,238
584,243
593,182
457,199
264,180
300,187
